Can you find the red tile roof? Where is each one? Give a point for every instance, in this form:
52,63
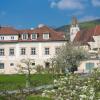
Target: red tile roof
86,35
54,35
97,31
8,30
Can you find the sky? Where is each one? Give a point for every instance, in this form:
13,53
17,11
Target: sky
30,13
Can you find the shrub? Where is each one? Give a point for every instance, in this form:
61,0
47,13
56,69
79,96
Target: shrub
76,87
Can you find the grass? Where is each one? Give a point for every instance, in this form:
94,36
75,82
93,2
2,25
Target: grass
30,98
37,98
11,82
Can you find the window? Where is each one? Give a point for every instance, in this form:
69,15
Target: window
33,64
12,37
23,51
1,52
34,36
89,66
47,64
24,36
33,51
46,51
1,65
95,49
57,50
2,38
11,64
11,51
46,36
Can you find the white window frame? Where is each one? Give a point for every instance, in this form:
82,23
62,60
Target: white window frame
35,36
2,51
33,51
11,53
25,36
1,37
2,66
12,37
23,51
47,51
46,35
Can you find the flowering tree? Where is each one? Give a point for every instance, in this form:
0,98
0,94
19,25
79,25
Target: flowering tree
75,87
69,56
26,68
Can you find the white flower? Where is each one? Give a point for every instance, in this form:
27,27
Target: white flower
91,98
53,90
91,90
55,81
43,94
66,78
77,87
84,88
82,96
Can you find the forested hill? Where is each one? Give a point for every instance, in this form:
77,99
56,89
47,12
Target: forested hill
82,25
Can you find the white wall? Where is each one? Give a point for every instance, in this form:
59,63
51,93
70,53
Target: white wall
39,58
8,37
82,67
73,32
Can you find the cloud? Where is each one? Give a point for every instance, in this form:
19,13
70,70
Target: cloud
67,4
89,18
53,4
96,3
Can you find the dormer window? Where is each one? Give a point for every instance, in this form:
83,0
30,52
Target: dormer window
24,36
12,37
34,36
1,37
45,35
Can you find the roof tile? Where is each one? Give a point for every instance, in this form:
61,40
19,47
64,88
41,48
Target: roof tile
86,35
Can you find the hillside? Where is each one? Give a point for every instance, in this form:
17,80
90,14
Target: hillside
82,25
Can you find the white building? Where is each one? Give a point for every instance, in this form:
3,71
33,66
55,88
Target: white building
39,44
90,40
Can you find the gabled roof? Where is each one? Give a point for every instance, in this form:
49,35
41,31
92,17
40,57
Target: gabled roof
54,35
8,30
86,35
97,31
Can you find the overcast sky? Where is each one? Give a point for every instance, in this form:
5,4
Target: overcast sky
30,13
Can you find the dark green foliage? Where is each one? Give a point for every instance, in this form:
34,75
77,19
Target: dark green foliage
82,25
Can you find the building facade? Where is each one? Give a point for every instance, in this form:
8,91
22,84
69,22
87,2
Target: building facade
90,40
39,44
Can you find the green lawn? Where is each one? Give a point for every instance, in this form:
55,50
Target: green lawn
11,82
31,98
37,98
